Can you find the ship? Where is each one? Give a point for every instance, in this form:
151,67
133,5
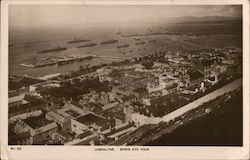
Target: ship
75,59
132,35
152,41
38,64
109,42
53,50
84,58
118,32
140,43
43,64
78,40
87,45
123,46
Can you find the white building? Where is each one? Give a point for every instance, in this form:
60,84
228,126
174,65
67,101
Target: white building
140,119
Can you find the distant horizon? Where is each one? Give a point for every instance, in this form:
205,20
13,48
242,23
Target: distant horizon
169,18
35,16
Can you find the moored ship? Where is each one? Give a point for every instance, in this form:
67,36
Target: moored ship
109,42
53,50
87,45
152,41
78,40
140,43
123,46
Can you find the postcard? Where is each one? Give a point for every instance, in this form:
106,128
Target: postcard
124,79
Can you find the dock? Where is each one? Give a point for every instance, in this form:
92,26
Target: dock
112,57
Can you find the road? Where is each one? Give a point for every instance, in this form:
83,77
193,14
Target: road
227,88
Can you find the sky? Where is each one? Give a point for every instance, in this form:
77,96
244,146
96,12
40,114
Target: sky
47,15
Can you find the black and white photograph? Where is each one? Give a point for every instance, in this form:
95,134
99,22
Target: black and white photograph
125,75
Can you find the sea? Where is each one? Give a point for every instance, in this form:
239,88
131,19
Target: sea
26,42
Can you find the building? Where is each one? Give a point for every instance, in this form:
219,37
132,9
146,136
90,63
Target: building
17,101
205,66
170,89
20,139
140,119
115,115
17,92
25,103
122,89
63,119
128,110
39,129
20,84
64,115
75,106
194,77
89,122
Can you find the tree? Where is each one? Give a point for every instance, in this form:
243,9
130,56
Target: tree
116,73
81,67
148,64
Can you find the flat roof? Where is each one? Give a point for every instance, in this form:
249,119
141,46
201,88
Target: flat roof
91,118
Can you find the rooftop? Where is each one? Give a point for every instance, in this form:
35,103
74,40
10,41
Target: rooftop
194,75
36,121
34,101
56,116
90,119
110,105
76,104
16,83
21,136
16,98
116,112
207,62
45,128
171,86
72,113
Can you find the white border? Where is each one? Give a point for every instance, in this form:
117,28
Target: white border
88,152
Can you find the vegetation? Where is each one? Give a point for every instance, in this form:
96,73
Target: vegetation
77,87
148,64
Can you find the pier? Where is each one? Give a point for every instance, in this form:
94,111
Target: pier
112,57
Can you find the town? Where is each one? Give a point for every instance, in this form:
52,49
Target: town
109,103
